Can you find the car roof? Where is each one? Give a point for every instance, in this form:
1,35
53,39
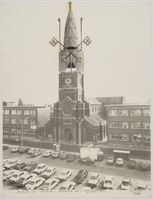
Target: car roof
67,183
51,180
41,164
126,179
94,174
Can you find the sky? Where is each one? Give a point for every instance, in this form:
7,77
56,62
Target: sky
117,63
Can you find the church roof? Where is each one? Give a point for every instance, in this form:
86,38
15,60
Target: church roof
95,119
92,100
70,36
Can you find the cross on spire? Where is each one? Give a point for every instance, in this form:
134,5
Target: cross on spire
70,4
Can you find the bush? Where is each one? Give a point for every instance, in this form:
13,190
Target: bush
131,164
144,165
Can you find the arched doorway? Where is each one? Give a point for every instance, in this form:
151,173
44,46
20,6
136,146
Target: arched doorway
67,135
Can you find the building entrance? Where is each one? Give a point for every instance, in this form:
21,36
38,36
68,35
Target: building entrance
67,135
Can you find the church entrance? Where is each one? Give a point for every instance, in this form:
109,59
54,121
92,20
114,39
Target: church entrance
67,135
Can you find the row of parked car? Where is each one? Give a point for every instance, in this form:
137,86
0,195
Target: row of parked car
34,152
131,164
32,175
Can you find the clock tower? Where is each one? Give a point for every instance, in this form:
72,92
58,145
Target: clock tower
70,110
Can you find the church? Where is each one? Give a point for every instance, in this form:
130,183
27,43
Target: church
73,120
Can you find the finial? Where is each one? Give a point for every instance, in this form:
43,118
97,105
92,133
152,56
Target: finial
70,4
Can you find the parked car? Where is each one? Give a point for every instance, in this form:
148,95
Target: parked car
110,160
19,165
40,168
131,164
81,176
93,180
144,165
30,166
49,184
24,150
36,153
24,179
11,164
31,150
48,153
141,187
64,174
70,158
8,174
34,183
48,172
5,146
63,155
15,149
15,177
55,154
6,161
107,183
67,186
85,189
126,184
120,162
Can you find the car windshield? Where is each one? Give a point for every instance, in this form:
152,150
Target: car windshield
15,175
108,182
31,182
39,167
46,184
21,179
126,183
48,170
62,173
93,177
63,188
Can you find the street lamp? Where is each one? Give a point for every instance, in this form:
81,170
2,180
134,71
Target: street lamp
22,128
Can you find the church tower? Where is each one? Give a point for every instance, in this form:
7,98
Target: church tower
71,109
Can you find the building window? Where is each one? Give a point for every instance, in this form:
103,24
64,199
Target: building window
33,122
19,112
6,112
146,138
26,112
119,125
13,121
123,137
136,125
13,112
146,125
135,112
146,112
113,136
6,121
32,112
118,112
137,138
26,121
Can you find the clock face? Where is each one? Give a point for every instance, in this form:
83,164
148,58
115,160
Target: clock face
68,81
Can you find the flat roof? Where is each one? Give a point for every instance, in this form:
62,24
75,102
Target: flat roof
125,105
121,151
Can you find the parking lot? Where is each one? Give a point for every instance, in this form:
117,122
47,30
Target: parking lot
102,168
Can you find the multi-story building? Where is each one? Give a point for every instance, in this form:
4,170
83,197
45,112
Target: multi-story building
24,118
128,125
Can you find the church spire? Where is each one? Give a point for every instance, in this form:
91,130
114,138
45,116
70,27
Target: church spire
70,36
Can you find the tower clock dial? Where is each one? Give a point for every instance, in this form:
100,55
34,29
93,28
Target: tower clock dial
68,81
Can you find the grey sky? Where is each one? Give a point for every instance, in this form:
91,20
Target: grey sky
118,62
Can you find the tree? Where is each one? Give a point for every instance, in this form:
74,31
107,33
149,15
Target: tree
20,102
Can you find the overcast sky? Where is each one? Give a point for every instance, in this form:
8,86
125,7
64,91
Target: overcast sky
117,63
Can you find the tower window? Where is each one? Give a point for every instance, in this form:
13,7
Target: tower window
71,65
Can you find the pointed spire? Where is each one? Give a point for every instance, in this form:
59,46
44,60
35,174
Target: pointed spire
70,36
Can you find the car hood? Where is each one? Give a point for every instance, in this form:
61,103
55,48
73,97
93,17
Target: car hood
29,187
93,181
125,187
